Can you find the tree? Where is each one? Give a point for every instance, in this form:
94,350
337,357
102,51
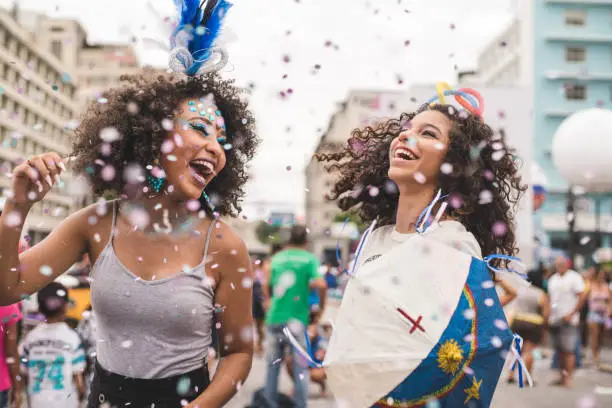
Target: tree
352,217
267,234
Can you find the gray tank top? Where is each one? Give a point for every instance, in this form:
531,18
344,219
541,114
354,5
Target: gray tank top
151,329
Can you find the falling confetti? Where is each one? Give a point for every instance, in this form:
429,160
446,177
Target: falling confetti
46,270
109,134
420,177
499,229
446,168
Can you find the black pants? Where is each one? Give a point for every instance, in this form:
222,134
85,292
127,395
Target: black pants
116,391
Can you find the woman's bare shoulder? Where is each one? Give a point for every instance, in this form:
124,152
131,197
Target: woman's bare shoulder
226,239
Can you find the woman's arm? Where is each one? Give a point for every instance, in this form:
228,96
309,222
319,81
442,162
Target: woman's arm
28,272
234,294
509,292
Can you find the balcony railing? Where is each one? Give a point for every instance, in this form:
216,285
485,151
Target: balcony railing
579,75
586,2
580,37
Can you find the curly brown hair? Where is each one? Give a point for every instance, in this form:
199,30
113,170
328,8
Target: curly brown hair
137,108
480,162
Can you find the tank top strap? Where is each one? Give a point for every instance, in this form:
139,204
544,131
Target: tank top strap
111,235
209,236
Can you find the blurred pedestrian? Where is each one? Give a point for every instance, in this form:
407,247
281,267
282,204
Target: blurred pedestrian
528,317
52,355
566,290
10,384
295,272
86,329
259,312
600,309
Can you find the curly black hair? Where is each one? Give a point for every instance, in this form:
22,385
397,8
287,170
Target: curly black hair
137,108
482,165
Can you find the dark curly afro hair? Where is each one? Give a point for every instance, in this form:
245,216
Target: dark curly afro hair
480,160
136,110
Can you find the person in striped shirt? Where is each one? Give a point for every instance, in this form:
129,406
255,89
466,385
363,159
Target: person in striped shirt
52,355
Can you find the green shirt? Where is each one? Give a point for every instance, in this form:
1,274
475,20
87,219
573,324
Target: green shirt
292,271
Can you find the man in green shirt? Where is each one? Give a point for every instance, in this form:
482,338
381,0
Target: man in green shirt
294,273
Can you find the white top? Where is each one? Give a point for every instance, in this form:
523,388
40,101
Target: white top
50,355
449,232
564,291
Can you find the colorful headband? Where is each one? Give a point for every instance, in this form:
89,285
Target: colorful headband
193,49
470,99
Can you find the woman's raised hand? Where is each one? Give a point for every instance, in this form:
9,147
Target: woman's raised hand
33,178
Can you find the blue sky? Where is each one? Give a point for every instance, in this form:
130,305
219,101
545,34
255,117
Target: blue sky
371,39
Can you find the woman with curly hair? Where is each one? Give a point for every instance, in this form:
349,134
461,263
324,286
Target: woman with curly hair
391,172
171,149
163,263
394,174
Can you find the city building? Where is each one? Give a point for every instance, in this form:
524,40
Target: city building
562,50
507,110
48,72
37,103
97,67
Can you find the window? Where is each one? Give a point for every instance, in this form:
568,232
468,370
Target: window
56,48
575,17
575,54
575,92
57,29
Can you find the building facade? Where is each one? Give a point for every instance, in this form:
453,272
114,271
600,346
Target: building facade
507,110
562,51
48,73
37,104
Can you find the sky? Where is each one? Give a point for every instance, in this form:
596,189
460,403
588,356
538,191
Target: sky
376,41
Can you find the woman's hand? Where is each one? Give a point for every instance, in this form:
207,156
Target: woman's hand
33,178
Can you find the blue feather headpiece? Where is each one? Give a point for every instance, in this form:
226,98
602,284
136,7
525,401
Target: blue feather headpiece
193,40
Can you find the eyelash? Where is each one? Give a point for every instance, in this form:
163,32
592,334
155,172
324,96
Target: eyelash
429,133
200,128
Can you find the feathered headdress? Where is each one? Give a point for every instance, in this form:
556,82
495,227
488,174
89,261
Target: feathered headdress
193,49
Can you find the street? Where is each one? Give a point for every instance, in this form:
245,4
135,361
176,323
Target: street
592,389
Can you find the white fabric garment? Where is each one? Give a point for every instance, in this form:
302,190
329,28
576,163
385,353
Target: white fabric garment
564,290
450,232
50,355
373,347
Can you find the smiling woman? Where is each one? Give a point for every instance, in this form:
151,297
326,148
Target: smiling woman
406,160
172,151
129,134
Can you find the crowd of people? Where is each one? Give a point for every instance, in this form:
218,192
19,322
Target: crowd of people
566,309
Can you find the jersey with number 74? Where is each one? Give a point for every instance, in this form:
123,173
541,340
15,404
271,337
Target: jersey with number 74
50,356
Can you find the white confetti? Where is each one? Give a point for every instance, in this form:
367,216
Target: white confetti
46,270
469,314
420,177
167,124
109,134
12,219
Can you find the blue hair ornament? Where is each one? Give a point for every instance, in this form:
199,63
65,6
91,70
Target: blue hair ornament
193,40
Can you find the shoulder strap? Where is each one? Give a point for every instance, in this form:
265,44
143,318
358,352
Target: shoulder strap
208,237
113,222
